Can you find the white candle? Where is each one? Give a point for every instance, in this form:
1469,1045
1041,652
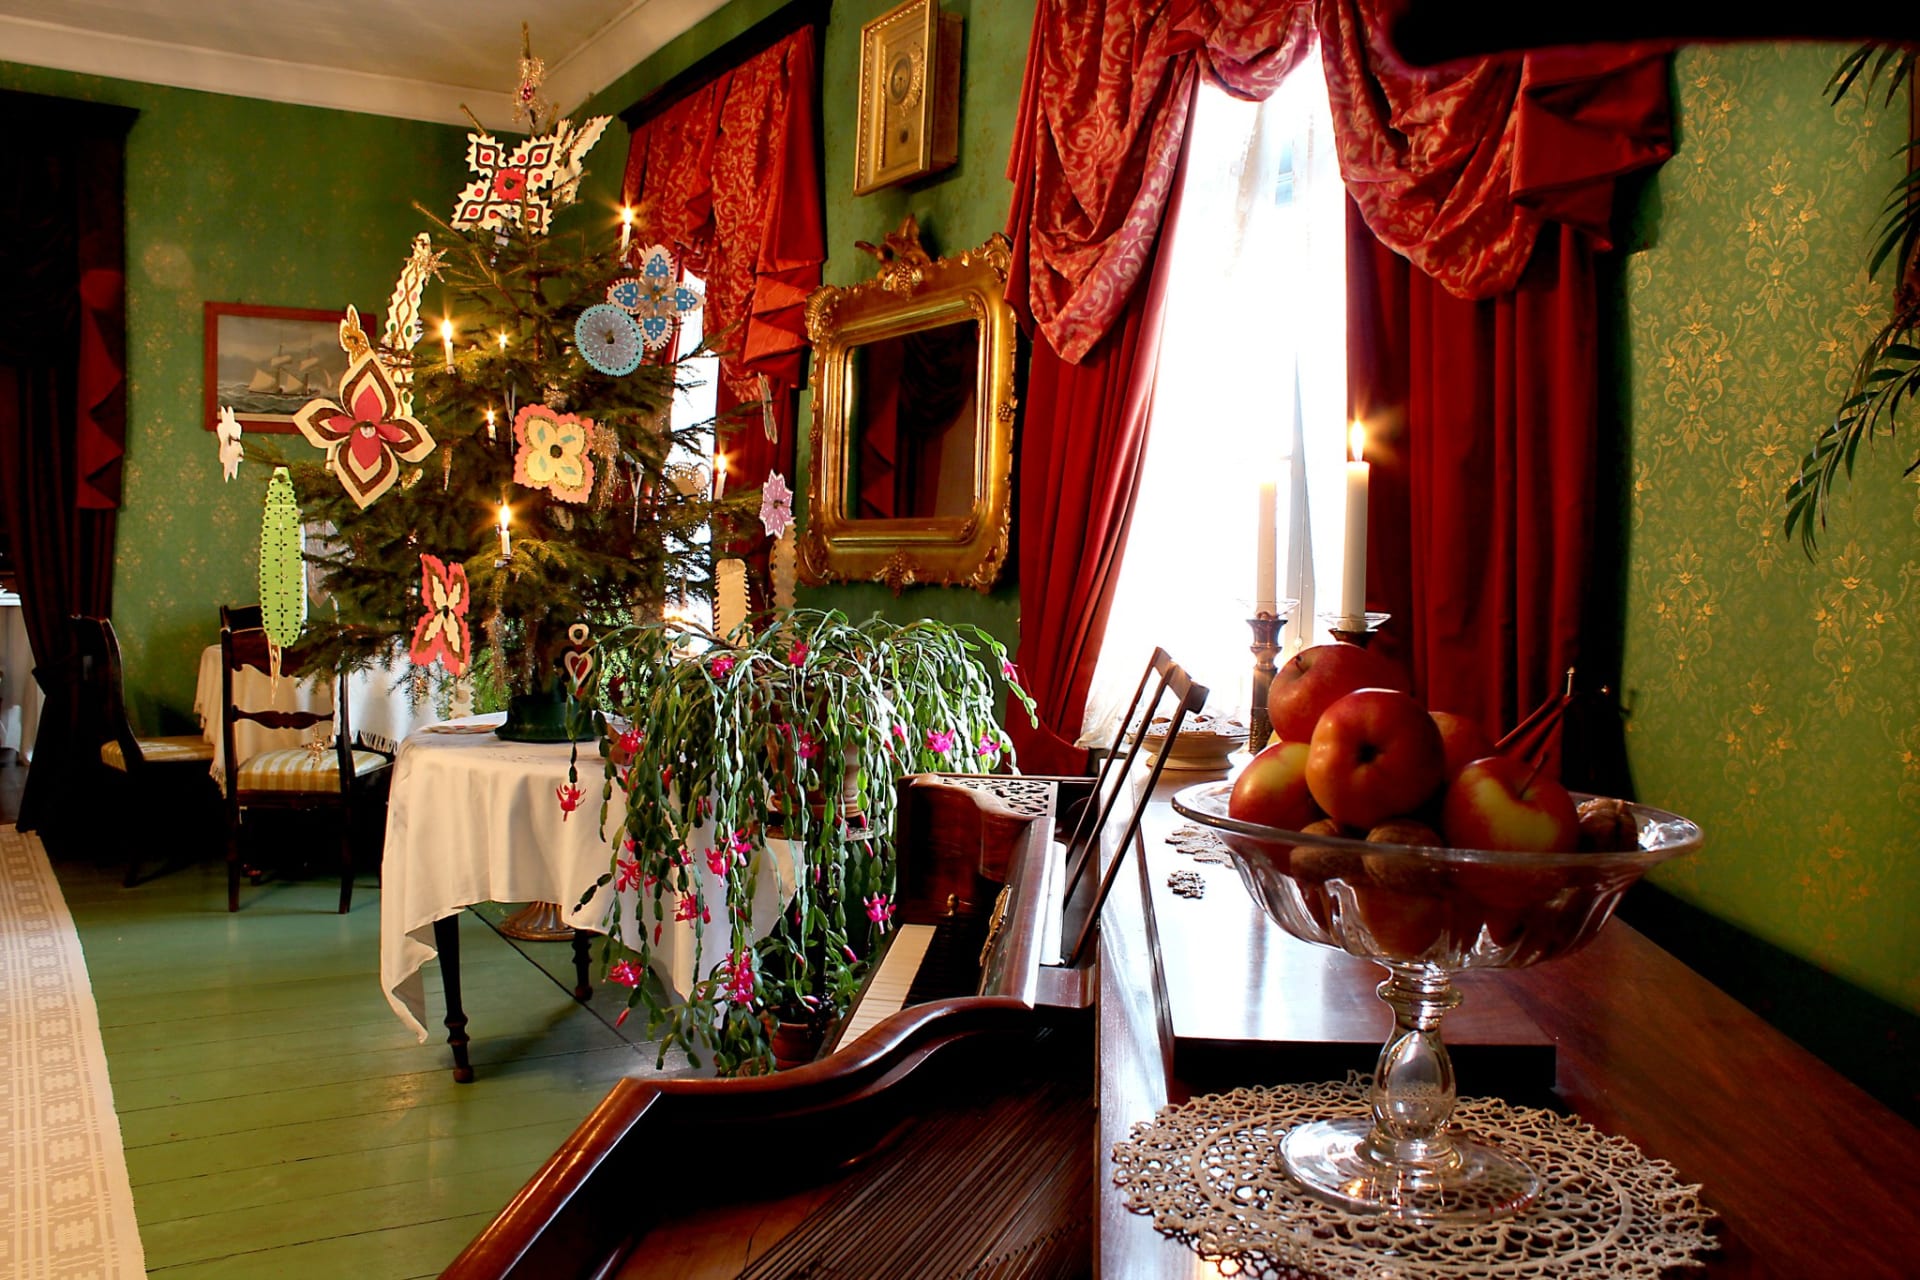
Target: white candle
1353,578
489,426
1264,595
626,229
446,340
506,543
719,475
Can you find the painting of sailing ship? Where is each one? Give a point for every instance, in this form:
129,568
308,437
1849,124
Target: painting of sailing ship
265,362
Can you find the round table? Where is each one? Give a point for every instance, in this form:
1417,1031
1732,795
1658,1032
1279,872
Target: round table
472,818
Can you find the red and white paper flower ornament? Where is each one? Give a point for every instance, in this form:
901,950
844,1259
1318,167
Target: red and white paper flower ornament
553,452
442,631
366,435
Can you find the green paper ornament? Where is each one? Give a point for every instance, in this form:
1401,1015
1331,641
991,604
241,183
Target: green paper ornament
283,576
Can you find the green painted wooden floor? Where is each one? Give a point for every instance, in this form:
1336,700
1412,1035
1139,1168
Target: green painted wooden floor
279,1120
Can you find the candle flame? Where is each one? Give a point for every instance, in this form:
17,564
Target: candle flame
446,331
503,339
626,214
490,424
506,514
720,464
1356,442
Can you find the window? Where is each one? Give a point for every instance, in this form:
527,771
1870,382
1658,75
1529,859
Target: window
1255,324
695,404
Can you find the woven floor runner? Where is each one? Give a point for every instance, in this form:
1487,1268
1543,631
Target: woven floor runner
66,1208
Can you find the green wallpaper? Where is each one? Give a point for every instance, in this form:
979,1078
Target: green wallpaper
1773,698
236,200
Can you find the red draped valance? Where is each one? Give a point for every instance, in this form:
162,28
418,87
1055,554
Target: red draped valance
727,177
1453,168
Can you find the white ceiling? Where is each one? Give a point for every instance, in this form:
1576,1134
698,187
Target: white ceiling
421,60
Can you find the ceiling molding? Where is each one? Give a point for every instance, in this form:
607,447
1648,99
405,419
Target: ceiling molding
623,44
45,44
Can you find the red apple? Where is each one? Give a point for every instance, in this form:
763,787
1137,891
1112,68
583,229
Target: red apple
1499,802
1376,754
1314,678
1463,740
1272,789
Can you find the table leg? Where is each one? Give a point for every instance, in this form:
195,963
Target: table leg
446,939
582,989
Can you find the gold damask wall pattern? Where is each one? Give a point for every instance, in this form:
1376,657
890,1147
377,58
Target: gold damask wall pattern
1775,699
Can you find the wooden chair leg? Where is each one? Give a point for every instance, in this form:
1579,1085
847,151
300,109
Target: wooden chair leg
132,877
346,859
233,861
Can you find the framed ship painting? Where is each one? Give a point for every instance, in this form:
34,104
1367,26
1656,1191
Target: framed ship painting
265,362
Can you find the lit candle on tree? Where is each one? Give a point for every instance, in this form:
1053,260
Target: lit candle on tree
626,229
719,475
1353,577
506,542
490,429
446,340
1265,594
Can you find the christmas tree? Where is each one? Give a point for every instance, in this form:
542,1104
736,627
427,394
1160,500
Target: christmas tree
499,495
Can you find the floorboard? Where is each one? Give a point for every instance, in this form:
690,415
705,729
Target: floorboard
279,1119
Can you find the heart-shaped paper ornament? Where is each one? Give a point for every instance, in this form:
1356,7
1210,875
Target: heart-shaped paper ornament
579,665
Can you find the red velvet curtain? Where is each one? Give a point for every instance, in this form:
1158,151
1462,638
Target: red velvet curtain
1456,169
1479,198
728,177
62,402
1481,519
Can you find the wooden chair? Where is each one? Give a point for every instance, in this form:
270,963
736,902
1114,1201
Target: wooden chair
166,776
334,774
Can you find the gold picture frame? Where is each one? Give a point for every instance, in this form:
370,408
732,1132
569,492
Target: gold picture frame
909,96
951,530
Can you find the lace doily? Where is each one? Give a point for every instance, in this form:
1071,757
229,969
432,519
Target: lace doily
1209,1173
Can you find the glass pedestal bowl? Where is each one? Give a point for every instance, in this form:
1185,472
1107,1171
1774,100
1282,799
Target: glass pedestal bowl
1425,914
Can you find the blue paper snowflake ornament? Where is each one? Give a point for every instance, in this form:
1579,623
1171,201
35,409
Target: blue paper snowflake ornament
608,339
654,298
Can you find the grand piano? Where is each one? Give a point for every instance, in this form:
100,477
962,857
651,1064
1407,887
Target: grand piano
970,1135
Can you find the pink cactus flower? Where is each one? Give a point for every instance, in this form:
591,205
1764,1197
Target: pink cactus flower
626,973
988,747
718,860
720,666
686,909
941,741
797,654
739,967
626,874
879,910
809,747
630,739
569,799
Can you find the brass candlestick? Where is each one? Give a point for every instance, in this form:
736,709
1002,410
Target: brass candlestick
1266,644
1354,630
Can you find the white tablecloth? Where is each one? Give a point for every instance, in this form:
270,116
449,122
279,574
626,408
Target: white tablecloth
20,695
473,818
383,714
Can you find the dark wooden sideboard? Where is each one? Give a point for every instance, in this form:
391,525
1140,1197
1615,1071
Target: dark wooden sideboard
1810,1177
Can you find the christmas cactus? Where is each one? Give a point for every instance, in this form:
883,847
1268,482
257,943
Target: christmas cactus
763,766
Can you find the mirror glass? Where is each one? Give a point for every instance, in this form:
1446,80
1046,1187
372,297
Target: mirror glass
912,405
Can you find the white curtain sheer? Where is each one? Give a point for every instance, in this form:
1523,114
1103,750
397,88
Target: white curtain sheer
1250,388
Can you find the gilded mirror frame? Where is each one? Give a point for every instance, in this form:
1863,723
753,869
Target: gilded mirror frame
910,293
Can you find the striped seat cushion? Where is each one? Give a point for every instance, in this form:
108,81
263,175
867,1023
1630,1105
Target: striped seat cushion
299,769
176,750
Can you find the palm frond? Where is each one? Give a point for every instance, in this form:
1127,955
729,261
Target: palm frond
1887,373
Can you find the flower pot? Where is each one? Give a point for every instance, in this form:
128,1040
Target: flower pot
541,716
795,1044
